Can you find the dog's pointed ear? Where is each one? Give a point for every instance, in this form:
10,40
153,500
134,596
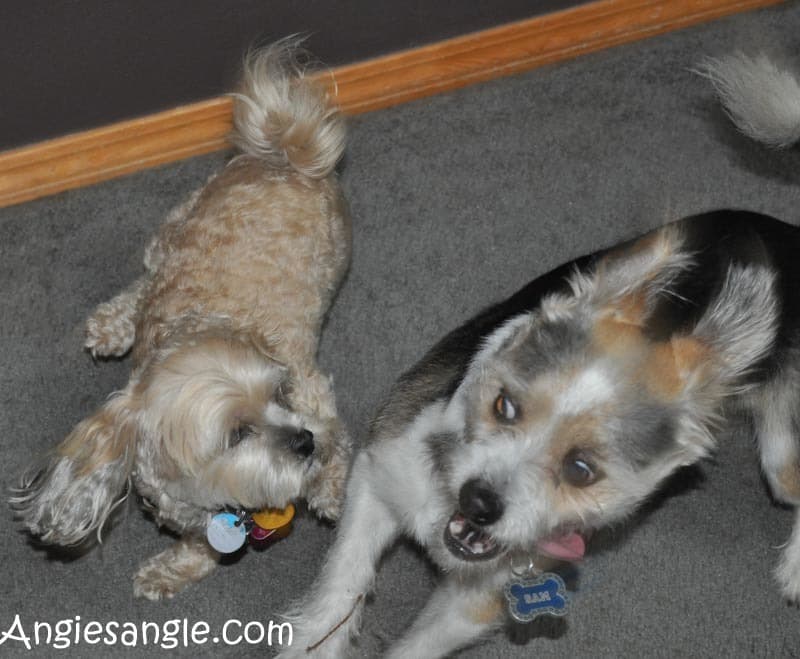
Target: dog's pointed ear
696,357
73,493
741,324
618,292
639,285
699,370
628,281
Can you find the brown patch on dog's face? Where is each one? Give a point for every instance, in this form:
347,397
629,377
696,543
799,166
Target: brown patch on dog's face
662,367
619,328
631,309
690,354
669,364
616,338
660,374
580,431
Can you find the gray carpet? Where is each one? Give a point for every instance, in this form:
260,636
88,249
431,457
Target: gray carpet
458,200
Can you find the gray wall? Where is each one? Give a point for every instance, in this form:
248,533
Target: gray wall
69,65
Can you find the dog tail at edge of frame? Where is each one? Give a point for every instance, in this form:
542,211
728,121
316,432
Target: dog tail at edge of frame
761,96
284,116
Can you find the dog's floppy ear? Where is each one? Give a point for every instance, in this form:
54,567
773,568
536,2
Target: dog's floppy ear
81,481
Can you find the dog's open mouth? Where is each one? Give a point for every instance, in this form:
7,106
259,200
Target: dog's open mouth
469,541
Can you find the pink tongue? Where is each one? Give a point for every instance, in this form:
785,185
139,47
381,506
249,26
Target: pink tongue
569,547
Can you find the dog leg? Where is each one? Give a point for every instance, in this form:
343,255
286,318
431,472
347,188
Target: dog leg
327,619
774,413
788,571
111,329
776,426
455,616
165,574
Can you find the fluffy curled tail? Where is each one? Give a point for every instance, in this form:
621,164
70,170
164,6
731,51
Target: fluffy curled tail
284,117
761,97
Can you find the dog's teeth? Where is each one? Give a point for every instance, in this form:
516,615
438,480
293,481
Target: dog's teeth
456,526
472,541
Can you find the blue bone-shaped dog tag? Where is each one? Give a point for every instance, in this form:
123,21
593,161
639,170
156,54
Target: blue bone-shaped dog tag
529,598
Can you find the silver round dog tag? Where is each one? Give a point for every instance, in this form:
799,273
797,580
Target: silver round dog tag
224,534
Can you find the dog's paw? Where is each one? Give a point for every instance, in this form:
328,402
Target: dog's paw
155,581
168,573
327,506
109,331
788,575
325,494
790,587
791,594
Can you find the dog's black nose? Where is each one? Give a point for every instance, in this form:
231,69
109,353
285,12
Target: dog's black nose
479,503
303,442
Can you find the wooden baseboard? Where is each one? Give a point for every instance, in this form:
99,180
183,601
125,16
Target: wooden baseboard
97,155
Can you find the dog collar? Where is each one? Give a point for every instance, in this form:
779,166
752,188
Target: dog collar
227,531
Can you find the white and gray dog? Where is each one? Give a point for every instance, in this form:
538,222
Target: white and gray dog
226,406
560,410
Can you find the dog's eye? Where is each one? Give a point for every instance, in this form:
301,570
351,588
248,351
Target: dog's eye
578,469
240,432
504,408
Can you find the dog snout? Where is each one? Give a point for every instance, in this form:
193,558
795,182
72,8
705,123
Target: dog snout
479,503
302,442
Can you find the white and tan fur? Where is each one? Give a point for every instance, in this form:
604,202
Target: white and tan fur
559,412
223,327
761,95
